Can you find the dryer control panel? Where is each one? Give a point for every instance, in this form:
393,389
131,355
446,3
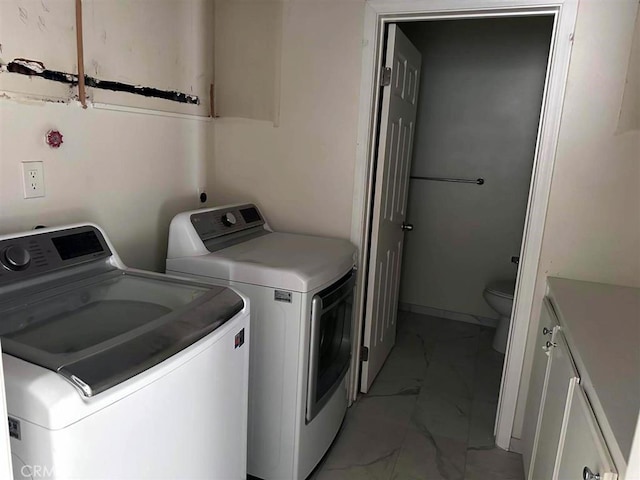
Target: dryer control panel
222,227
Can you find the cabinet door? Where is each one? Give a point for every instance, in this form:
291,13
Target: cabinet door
541,354
560,381
583,444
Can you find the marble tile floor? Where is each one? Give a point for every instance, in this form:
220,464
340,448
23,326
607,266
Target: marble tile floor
430,412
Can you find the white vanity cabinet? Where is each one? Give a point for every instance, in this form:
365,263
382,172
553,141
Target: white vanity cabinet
584,394
583,453
537,380
560,381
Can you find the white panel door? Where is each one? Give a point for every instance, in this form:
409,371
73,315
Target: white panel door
583,446
557,393
397,126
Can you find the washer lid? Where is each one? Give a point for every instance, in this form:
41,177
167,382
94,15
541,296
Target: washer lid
288,261
103,330
504,288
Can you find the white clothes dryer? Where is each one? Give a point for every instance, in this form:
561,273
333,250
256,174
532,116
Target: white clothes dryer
301,291
113,373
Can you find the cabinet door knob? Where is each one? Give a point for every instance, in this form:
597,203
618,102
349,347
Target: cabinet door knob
587,474
551,344
546,331
407,227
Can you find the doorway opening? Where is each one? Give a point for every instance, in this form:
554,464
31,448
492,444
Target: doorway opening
478,111
376,294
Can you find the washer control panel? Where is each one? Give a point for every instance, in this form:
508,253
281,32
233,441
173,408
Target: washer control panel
40,253
15,257
229,219
221,222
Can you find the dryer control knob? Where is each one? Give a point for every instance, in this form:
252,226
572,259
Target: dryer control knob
15,258
229,219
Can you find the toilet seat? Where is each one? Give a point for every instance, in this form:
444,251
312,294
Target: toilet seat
504,289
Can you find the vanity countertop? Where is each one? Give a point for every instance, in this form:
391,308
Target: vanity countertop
602,326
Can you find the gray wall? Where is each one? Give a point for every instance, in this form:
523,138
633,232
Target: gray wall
479,105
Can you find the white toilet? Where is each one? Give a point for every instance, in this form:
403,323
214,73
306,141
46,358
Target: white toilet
499,296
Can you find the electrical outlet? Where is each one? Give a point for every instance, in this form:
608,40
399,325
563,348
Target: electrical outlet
33,179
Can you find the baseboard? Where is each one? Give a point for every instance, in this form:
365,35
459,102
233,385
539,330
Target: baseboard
457,316
516,445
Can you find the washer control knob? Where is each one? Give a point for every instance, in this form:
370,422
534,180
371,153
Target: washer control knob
15,258
229,219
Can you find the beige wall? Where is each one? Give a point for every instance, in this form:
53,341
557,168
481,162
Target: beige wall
248,41
128,172
301,173
41,30
593,222
166,44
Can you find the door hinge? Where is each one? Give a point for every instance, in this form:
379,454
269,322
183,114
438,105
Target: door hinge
385,79
364,354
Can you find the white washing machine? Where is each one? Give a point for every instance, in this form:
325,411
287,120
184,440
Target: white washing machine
113,373
301,292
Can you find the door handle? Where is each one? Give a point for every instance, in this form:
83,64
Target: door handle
587,474
407,227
